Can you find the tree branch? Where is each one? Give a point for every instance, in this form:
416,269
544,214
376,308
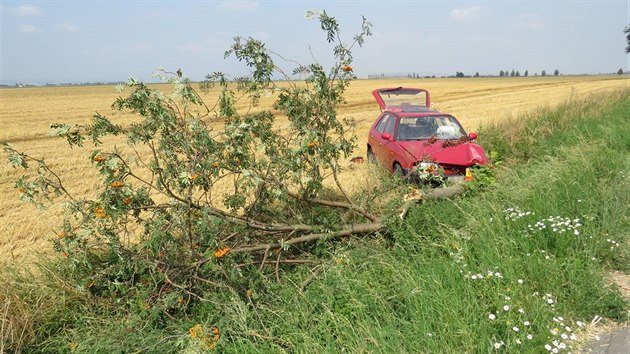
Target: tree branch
348,230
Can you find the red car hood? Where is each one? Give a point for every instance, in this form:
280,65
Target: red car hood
465,154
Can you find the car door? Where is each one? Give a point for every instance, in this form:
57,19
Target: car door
382,147
374,139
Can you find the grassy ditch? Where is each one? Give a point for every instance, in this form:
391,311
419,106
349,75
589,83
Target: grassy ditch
515,267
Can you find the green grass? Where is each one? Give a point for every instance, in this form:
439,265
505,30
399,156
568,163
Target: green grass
416,288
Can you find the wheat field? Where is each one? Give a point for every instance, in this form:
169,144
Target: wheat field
26,113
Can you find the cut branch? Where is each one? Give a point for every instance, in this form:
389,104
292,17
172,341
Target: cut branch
346,231
436,193
335,204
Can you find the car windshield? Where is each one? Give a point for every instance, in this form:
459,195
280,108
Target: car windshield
422,128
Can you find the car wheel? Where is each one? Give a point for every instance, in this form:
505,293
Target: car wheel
370,155
398,170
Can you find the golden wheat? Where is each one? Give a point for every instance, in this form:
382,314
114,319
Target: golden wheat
26,113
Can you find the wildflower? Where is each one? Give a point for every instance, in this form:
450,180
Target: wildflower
520,310
573,336
564,336
530,337
492,316
429,334
526,323
346,68
580,323
497,345
568,329
520,281
117,184
547,346
221,252
515,329
506,308
550,301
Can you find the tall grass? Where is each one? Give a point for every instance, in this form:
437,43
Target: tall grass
513,268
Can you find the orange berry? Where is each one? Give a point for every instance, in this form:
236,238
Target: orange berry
127,201
100,213
346,68
217,333
221,252
117,184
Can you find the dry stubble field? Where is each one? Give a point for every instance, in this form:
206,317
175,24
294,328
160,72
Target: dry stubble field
26,113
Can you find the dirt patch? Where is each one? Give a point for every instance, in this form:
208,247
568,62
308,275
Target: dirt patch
622,280
605,336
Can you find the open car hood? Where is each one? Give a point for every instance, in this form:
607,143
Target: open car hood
403,99
464,154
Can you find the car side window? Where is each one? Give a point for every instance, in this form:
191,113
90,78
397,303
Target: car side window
383,123
389,128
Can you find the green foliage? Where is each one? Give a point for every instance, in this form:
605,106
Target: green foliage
165,217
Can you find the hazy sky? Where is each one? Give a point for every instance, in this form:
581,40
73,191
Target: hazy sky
86,41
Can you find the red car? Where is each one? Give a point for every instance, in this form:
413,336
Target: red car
410,138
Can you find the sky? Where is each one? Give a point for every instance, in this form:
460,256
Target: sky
104,41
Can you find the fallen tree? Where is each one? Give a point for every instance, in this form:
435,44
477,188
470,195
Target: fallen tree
197,199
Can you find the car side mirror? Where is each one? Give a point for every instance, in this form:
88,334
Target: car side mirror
472,136
387,136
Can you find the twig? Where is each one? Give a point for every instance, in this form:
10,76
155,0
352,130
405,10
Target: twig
311,277
335,204
262,264
278,266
